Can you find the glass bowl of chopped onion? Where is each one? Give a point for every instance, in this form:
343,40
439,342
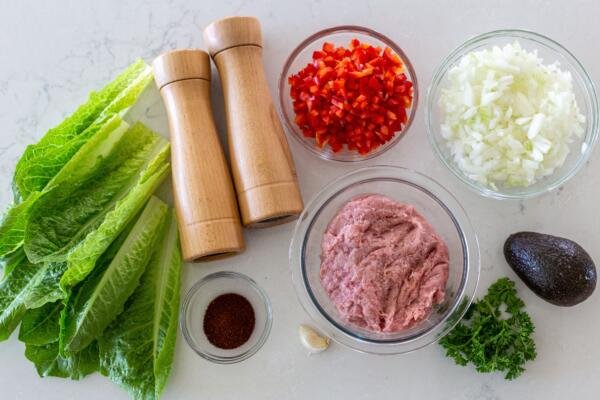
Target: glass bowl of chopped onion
342,107
512,113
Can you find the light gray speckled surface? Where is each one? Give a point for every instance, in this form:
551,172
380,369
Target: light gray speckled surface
56,52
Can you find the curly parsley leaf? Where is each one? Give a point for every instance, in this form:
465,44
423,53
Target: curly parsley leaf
495,334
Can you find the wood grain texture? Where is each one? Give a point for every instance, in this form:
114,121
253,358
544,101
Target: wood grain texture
181,64
231,32
205,201
261,162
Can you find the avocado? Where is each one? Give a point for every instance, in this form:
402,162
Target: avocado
557,269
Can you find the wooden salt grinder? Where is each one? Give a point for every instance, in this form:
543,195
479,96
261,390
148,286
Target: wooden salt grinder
205,203
261,162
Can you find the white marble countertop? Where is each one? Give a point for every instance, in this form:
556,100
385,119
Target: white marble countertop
56,52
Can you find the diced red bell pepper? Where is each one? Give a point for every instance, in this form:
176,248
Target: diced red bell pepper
355,97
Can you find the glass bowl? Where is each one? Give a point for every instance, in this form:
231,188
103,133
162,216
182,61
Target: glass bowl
550,51
302,55
432,201
207,289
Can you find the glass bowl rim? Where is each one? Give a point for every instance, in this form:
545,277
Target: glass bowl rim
265,330
288,120
589,89
471,261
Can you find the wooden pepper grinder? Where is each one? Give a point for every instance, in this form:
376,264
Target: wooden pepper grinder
261,162
209,223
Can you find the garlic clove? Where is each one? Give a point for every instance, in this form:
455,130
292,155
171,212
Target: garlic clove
312,340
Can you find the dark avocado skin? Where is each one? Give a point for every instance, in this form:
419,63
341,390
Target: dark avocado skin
557,269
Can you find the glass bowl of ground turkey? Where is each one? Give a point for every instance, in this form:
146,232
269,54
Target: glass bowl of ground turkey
385,260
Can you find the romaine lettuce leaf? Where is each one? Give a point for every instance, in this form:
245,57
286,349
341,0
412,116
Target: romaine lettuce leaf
93,304
41,162
40,326
76,243
12,229
12,261
39,330
48,361
110,166
14,288
46,286
83,258
12,226
136,350
27,286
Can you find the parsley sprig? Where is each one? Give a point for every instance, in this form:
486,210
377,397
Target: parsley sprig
495,334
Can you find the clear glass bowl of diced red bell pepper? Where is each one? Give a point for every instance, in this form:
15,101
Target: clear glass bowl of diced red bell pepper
348,93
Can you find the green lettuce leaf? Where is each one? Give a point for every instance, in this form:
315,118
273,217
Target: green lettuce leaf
12,226
40,330
112,166
40,326
41,162
10,262
48,361
94,303
27,286
14,288
136,350
83,258
46,285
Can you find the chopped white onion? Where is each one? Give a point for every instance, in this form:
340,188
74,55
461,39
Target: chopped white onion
509,119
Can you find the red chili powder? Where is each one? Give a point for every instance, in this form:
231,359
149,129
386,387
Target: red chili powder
229,321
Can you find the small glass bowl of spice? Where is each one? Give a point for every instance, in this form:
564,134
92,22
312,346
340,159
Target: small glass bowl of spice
226,317
348,93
